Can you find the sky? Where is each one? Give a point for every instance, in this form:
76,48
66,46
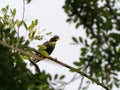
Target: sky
52,18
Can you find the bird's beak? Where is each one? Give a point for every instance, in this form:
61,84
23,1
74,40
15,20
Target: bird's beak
58,39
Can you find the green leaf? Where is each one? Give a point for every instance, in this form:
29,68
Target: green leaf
31,35
62,77
117,84
77,63
25,57
75,19
49,33
38,37
3,9
13,12
80,39
69,20
77,25
116,79
25,25
41,47
36,21
26,43
86,43
110,85
84,51
44,53
56,76
19,23
74,39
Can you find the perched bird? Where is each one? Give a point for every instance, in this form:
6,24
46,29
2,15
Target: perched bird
50,45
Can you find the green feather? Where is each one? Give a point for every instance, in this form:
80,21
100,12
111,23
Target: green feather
52,43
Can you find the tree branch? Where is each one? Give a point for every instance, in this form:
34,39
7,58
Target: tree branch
23,10
55,60
22,19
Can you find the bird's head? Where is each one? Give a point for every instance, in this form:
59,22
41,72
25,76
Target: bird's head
55,38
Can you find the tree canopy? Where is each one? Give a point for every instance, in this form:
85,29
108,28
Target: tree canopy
99,54
14,49
101,48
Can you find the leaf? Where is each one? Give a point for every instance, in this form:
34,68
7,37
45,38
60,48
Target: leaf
77,63
49,33
84,51
74,39
36,21
77,25
38,37
62,77
110,85
44,53
26,43
117,84
86,43
32,34
13,12
25,57
56,76
25,25
41,47
32,25
19,23
13,33
75,19
80,39
3,9
116,79
69,20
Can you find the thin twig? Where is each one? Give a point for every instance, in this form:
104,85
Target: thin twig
57,61
23,10
23,15
75,77
80,86
82,79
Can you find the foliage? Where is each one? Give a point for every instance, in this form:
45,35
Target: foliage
101,48
14,75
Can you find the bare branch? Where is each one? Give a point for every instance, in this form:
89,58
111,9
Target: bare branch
23,10
82,79
57,61
23,15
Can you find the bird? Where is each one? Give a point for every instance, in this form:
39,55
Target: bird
50,45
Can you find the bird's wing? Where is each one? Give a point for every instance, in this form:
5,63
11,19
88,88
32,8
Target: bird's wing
50,47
